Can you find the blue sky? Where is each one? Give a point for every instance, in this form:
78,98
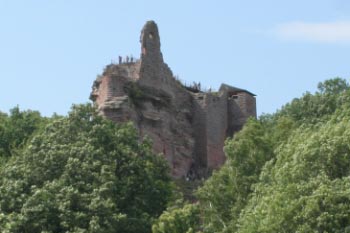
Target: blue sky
51,51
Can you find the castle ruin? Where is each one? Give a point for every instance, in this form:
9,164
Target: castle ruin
187,125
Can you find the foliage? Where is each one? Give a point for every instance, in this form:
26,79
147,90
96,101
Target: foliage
135,93
83,174
17,128
178,220
320,106
307,188
333,86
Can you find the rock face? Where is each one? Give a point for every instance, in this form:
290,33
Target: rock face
186,125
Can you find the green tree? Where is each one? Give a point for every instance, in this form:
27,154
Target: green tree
306,189
83,174
178,220
333,86
17,128
318,107
227,191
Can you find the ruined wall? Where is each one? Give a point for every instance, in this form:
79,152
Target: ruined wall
200,130
234,117
109,92
216,125
241,106
188,128
247,103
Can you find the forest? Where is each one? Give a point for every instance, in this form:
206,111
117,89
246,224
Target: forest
285,172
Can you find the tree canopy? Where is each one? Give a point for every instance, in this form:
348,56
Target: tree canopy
17,128
83,173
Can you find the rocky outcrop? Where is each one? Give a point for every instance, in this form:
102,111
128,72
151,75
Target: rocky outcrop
186,125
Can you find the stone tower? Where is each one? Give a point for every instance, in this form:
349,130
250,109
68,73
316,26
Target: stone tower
186,125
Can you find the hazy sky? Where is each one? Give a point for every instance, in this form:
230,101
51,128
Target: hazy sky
51,51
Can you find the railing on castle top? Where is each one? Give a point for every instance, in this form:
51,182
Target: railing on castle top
194,86
125,60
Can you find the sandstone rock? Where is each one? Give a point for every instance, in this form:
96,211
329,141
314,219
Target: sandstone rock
186,125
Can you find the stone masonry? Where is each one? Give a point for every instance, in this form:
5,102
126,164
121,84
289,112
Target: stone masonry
188,126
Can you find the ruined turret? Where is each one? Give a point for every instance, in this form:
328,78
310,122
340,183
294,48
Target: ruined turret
150,43
186,125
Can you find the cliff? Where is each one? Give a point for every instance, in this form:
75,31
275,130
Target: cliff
186,125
